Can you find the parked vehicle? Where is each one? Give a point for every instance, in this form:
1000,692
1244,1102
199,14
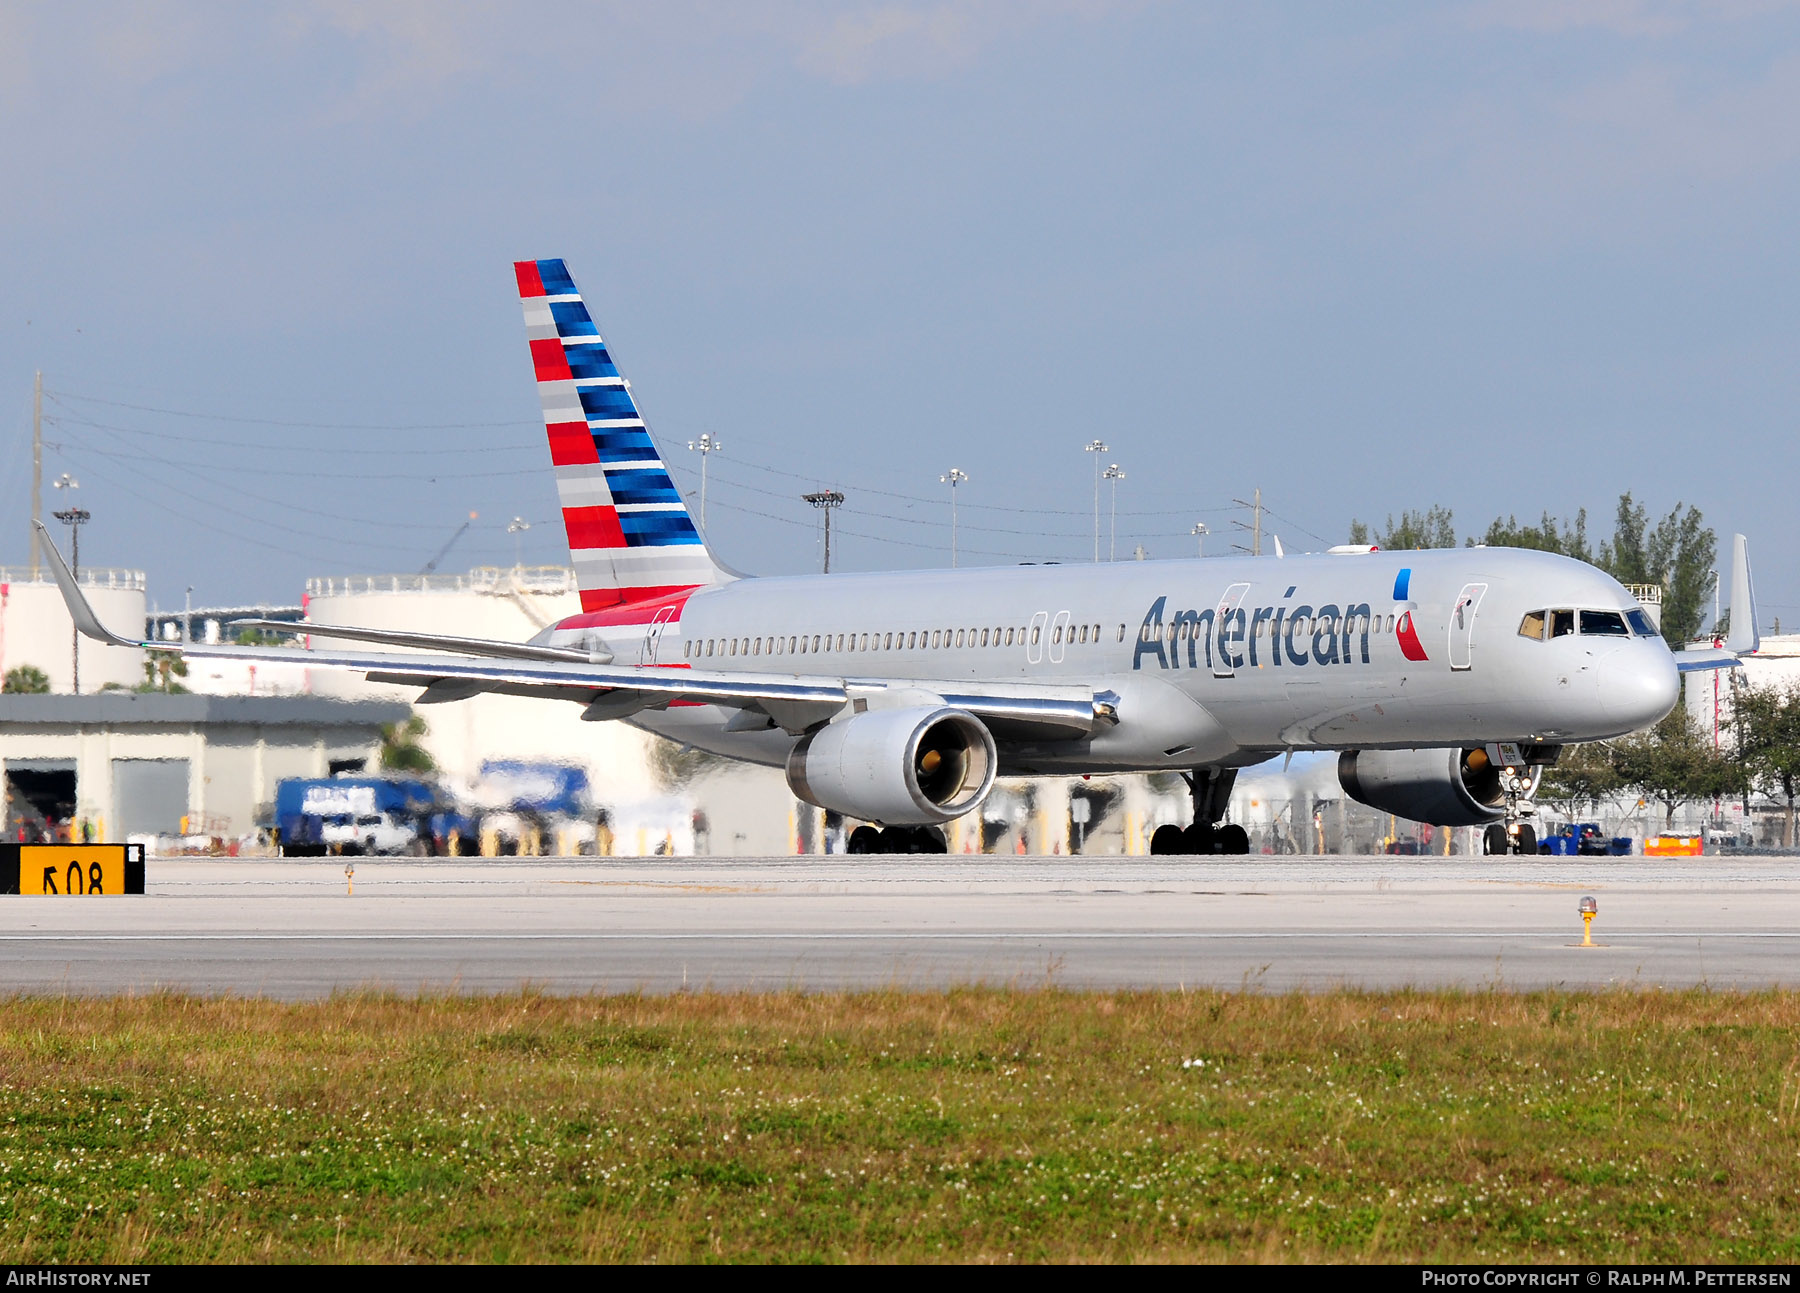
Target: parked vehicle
350,814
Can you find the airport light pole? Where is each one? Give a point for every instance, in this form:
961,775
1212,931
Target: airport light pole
74,518
1200,532
953,478
705,446
1115,475
825,500
515,527
1096,447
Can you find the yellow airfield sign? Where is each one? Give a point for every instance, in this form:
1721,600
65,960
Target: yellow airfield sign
76,870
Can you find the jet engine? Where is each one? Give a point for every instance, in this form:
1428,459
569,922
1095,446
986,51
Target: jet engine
918,766
1442,787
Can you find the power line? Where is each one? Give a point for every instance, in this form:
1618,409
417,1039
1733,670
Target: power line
283,422
71,419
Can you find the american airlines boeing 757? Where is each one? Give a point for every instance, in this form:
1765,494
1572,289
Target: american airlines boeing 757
1446,679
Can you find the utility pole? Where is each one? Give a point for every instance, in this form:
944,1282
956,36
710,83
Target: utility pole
1255,526
37,469
1096,448
953,478
1115,475
825,500
74,518
705,446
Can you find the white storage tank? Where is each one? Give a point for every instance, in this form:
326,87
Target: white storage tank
36,630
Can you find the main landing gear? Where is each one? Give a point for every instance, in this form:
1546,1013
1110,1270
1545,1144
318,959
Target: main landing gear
1516,833
1211,790
897,839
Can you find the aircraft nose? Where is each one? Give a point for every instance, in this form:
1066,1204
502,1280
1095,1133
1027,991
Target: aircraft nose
1638,686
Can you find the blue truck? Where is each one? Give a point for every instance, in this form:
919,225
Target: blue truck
358,815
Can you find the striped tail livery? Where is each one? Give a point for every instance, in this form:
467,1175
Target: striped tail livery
631,538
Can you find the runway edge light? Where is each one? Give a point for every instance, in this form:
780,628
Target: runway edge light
1589,909
74,870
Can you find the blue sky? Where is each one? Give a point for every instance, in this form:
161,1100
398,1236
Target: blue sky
1507,257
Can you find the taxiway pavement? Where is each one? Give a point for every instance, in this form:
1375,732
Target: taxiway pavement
291,929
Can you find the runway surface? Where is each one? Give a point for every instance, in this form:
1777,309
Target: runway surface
289,929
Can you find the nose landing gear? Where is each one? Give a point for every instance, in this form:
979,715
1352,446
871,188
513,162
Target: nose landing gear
1517,832
1211,791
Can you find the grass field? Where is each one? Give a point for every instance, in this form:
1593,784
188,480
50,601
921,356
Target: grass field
974,1125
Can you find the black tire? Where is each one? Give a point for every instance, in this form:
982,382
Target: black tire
1168,840
1199,840
1527,840
1494,841
1233,839
864,839
930,839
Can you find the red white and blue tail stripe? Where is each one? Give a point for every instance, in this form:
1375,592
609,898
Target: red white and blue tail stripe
630,535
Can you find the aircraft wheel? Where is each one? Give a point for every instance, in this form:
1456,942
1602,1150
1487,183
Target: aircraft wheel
1494,841
929,839
1199,840
1234,839
1527,840
1168,840
864,839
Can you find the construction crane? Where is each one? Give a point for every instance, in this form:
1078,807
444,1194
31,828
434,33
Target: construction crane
449,544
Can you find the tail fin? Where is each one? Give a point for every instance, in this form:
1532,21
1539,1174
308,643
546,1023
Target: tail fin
1744,636
630,534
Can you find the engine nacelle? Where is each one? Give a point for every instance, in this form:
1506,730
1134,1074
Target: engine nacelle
1442,787
920,766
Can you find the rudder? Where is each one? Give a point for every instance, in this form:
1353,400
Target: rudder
631,537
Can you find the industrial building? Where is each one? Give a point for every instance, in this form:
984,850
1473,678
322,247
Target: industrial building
124,764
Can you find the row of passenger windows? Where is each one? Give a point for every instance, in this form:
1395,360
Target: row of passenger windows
912,640
1542,625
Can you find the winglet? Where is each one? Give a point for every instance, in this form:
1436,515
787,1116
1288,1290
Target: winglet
1745,637
79,610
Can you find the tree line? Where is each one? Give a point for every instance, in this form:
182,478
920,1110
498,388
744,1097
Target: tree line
1677,551
1677,762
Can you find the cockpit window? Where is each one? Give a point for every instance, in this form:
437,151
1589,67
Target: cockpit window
1532,626
1641,623
1562,623
1606,624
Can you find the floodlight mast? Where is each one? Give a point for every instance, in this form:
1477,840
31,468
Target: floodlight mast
1096,447
707,445
825,500
74,518
954,477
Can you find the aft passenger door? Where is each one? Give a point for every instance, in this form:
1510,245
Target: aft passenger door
1462,626
1059,636
1034,637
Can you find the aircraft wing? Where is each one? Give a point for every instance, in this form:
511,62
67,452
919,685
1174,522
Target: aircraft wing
793,702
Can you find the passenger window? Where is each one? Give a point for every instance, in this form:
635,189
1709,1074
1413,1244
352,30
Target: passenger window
1009,637
1037,633
1532,626
1121,632
1605,624
815,643
1083,635
1562,623
1641,622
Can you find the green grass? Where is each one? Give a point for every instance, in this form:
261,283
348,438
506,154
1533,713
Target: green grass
970,1125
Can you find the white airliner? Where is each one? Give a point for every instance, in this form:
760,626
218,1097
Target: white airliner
1446,678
